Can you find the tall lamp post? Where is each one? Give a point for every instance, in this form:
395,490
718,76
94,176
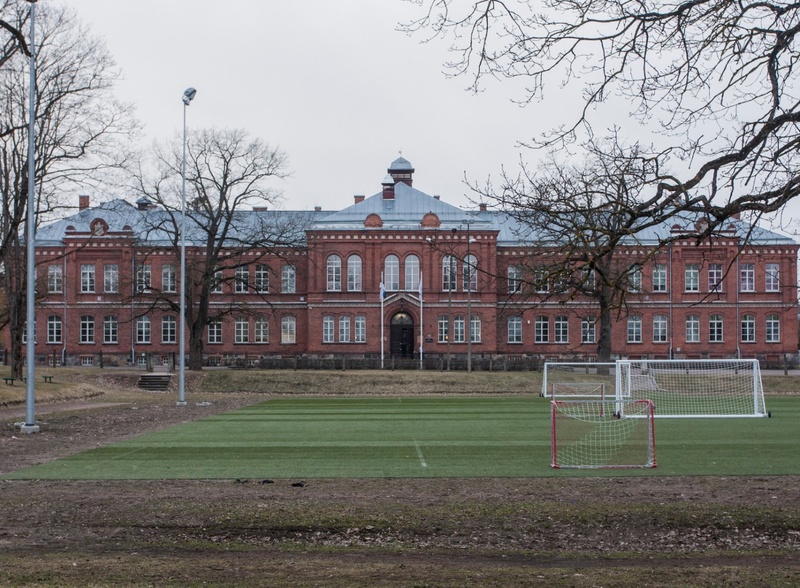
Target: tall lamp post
188,96
469,302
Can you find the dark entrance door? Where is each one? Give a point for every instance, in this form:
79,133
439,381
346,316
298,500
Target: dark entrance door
401,338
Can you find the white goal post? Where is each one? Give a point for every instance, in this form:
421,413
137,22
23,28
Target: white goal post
578,379
589,434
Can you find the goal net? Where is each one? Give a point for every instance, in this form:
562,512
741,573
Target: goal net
694,388
589,434
576,379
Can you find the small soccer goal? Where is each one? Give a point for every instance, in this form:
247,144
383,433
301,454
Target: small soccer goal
590,434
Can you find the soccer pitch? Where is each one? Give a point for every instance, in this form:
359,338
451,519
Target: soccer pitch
497,436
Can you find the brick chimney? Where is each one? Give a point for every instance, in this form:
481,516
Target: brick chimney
358,198
83,202
388,188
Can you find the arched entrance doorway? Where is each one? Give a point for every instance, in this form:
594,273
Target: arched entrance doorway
401,336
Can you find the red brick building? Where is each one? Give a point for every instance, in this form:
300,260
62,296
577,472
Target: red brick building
103,273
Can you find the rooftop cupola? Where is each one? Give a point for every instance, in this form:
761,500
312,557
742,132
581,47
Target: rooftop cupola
402,171
388,187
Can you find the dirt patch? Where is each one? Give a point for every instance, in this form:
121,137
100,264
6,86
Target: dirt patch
374,532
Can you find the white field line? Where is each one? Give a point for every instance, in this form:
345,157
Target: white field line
420,455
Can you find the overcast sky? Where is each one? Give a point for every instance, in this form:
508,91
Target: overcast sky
333,83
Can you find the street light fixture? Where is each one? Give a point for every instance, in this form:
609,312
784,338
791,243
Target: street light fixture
188,96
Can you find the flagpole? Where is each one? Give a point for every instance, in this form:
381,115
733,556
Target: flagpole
383,295
420,320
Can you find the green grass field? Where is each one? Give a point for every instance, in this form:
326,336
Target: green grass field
506,436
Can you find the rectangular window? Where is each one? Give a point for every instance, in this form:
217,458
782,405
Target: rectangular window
261,279
514,279
588,330
87,329
288,328
328,326
459,335
354,274
344,329
773,328
561,329
475,329
659,277
634,329
715,277
215,332
515,329
747,277
87,278
411,269
241,279
444,329
55,279
54,329
288,281
748,328
693,329
143,329
216,282
241,333
110,330
659,329
169,330
773,277
261,330
635,279
143,276
169,280
715,332
541,281
361,329
542,329
448,273
692,277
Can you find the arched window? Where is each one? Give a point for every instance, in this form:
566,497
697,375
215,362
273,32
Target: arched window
354,273
412,273
334,273
449,281
392,273
470,273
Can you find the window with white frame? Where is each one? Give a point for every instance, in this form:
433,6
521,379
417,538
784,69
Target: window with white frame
541,281
241,330
261,329
411,269
773,277
588,329
691,277
635,278
444,329
659,277
660,333
475,329
459,329
87,278
515,329
55,279
449,282
241,279
344,329
215,332
391,273
561,329
54,329
514,279
693,329
747,277
361,329
542,329
288,281
328,326
773,334
634,329
334,273
470,274
354,274
143,329
25,332
715,329
216,282
169,278
87,329
110,330
143,277
261,278
169,329
748,328
715,277
288,330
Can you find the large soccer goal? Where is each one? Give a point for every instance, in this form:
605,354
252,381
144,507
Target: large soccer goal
589,434
694,388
